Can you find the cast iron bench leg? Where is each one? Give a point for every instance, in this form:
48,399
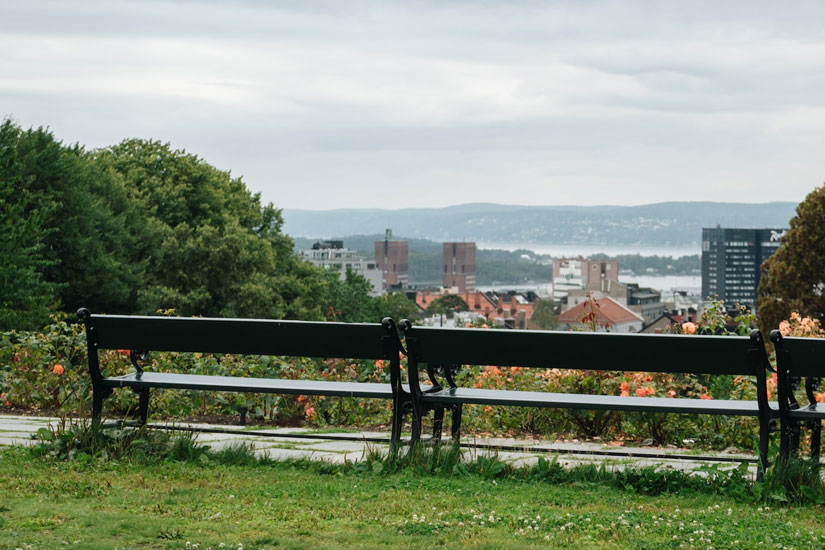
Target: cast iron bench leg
143,405
415,428
438,423
456,423
764,440
816,440
99,393
97,404
400,408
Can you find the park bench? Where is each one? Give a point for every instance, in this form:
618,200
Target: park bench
142,335
798,358
442,349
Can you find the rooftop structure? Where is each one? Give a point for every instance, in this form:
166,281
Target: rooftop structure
609,316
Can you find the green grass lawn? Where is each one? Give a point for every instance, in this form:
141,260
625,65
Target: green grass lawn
95,504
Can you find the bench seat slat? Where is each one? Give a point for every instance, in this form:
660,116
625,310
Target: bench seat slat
809,413
600,402
253,385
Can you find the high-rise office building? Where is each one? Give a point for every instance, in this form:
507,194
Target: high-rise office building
392,258
460,266
732,260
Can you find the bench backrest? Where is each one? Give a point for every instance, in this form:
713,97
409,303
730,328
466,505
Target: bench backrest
694,354
241,336
804,356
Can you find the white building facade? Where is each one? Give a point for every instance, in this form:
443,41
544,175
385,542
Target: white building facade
333,255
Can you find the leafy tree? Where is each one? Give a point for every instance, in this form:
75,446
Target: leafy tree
211,248
86,218
398,306
25,295
349,300
544,315
793,278
447,303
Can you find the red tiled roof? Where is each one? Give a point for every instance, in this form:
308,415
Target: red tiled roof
607,309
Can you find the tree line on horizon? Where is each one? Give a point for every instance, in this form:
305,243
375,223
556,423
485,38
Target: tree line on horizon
139,227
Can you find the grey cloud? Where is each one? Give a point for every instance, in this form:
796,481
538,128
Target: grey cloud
327,104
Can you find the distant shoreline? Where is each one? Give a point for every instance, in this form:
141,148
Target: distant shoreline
585,250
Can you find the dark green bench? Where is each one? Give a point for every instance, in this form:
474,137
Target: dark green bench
441,349
142,335
798,358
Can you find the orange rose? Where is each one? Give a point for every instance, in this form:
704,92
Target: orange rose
688,328
57,369
705,396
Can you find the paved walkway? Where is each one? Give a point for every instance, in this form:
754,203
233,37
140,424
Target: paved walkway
340,446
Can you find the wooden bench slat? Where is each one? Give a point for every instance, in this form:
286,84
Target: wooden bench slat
592,402
809,413
251,385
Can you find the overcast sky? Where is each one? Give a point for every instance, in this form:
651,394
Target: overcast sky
396,104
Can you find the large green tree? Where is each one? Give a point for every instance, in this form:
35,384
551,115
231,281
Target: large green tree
211,247
25,295
793,278
88,226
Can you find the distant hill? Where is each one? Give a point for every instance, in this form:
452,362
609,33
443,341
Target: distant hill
670,224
